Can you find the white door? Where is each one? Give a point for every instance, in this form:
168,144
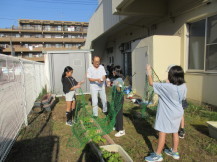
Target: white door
140,61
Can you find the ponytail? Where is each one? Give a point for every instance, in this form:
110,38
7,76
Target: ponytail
67,69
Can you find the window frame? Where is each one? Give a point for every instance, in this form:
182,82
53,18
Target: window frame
205,47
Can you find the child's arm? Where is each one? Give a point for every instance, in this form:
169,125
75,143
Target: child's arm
75,87
148,73
81,82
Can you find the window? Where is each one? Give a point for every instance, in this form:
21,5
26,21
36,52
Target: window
2,35
58,45
111,60
196,45
37,27
70,36
38,35
58,36
26,36
47,45
17,35
47,36
47,27
59,28
211,45
65,28
68,45
27,26
203,44
71,28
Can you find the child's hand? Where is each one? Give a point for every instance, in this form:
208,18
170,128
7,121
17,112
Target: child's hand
78,86
148,69
81,82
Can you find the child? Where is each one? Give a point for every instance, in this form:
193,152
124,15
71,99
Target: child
118,82
69,86
170,110
181,131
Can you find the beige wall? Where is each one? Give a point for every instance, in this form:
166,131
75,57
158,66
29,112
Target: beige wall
162,51
166,51
201,86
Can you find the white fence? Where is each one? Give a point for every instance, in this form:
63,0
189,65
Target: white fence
21,81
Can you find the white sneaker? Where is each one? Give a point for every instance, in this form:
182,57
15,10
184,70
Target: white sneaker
69,123
120,133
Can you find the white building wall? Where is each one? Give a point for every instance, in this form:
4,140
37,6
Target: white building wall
101,21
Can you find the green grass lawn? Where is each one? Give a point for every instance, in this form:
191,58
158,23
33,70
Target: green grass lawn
141,138
46,138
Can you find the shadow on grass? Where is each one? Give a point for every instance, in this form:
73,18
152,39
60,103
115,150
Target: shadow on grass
89,154
43,149
202,129
36,142
143,126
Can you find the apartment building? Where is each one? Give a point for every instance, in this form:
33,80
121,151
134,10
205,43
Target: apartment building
132,33
32,37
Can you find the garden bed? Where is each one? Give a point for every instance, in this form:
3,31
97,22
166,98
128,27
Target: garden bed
212,125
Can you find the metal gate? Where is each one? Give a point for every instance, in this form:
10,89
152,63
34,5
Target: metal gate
58,60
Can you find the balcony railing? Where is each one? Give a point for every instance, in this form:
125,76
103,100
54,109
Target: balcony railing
54,40
62,29
38,49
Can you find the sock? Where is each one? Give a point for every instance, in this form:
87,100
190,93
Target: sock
73,113
68,116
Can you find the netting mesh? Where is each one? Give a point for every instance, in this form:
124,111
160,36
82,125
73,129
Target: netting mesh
150,99
89,128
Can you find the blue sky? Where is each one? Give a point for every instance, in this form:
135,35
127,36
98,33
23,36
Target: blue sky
65,10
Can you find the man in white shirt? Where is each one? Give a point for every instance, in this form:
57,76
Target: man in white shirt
96,75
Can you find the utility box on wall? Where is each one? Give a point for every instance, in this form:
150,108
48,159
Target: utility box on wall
159,51
56,61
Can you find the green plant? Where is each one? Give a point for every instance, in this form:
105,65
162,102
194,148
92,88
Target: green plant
43,92
111,156
98,139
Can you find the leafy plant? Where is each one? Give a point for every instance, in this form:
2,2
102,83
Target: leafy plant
98,139
43,92
111,156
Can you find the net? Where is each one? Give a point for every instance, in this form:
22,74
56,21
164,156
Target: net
87,127
150,98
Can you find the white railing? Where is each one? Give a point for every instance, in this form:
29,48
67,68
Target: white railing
21,81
